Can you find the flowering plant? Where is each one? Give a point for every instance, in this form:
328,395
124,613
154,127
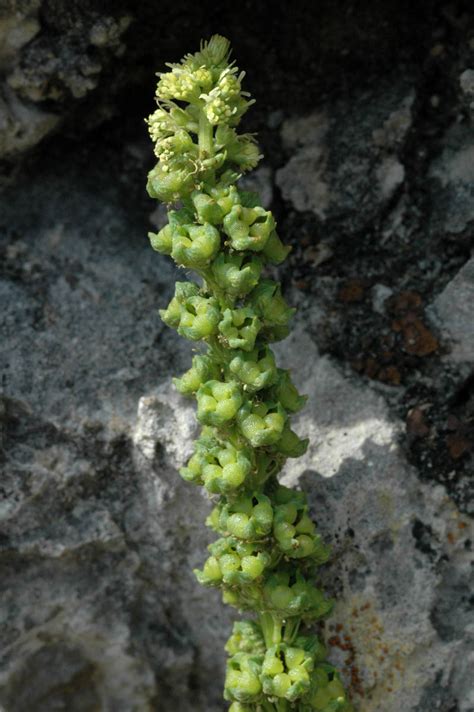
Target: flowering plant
268,548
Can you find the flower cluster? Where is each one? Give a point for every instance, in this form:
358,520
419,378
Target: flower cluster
268,548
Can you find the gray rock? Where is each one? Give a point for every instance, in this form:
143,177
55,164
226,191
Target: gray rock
453,310
99,535
54,54
452,180
345,165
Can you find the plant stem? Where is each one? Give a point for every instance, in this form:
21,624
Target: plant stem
205,137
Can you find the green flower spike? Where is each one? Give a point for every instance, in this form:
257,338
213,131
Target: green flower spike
268,550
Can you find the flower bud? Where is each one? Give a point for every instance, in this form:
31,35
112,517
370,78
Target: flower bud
256,369
240,328
286,672
300,598
327,691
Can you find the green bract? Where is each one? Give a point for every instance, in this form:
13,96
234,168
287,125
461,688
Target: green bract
267,552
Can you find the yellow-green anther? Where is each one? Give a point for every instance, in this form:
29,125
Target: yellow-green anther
218,402
195,245
248,228
235,273
255,369
239,328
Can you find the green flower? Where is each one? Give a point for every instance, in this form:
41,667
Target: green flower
192,315
286,672
246,638
203,369
248,518
242,681
327,692
255,369
163,241
274,312
239,328
220,467
195,245
248,228
239,563
261,423
291,595
295,532
218,402
236,274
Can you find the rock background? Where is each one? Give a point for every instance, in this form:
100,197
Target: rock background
365,121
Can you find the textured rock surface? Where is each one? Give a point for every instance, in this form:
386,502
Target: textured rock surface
343,161
51,56
99,609
454,307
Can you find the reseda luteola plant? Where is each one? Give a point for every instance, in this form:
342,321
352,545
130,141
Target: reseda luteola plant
268,547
